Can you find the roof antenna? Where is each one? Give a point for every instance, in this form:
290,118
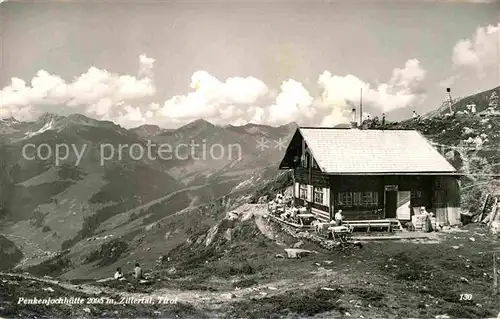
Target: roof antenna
361,109
451,100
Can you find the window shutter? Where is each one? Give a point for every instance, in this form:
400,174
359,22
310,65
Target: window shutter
309,193
326,197
297,190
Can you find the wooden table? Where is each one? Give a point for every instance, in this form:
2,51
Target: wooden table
305,218
339,232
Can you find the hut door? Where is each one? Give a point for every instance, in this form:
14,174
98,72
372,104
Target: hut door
391,203
403,211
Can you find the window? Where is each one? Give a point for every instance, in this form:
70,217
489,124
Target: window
305,160
369,199
303,192
358,199
318,195
345,199
439,184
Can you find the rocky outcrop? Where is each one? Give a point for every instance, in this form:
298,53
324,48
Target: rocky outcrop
495,228
10,255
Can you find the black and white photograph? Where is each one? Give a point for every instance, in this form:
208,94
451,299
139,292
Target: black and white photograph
249,159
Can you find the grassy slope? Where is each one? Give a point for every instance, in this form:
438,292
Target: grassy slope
10,255
12,288
381,280
399,279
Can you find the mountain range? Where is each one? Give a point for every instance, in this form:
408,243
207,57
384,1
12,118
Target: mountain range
48,207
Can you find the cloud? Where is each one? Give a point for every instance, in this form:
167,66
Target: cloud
235,100
242,100
212,98
292,103
402,90
479,53
146,66
97,91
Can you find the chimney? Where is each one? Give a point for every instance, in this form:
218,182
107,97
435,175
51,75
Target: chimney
354,122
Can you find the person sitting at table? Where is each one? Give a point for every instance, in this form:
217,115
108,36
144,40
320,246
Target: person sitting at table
279,203
279,198
339,218
118,274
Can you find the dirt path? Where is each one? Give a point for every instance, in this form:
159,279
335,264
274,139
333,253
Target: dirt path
205,299
259,212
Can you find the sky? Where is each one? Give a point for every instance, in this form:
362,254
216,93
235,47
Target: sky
267,62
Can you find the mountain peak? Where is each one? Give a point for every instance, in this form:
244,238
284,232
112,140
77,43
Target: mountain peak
46,117
199,123
9,120
147,130
79,117
147,127
291,125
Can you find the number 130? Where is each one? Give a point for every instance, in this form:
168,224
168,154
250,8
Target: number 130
465,297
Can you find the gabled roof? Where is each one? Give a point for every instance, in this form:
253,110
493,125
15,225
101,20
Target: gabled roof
354,151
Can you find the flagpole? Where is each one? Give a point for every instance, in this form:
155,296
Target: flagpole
449,96
361,107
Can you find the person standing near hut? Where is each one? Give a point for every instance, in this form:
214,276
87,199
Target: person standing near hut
426,220
280,205
137,272
339,217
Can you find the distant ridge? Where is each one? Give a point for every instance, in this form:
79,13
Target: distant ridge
342,125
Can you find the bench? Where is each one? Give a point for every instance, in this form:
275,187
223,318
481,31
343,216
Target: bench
320,227
369,224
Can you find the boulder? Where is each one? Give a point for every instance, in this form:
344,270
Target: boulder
294,253
495,228
298,244
229,295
